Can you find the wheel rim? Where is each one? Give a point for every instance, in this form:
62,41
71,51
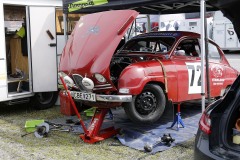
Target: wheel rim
45,98
146,103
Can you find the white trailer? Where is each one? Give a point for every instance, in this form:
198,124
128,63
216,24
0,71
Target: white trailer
29,77
177,22
224,34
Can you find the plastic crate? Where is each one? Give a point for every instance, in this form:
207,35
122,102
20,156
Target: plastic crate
90,112
30,125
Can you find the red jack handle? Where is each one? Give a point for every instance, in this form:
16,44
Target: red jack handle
73,105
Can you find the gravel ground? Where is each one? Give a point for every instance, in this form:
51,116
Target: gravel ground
59,145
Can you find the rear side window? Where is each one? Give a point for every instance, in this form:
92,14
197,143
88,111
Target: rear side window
213,52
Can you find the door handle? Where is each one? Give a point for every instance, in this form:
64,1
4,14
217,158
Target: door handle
2,59
50,35
52,44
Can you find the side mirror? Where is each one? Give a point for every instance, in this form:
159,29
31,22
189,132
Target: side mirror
180,53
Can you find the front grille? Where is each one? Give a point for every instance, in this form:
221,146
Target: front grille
103,86
78,80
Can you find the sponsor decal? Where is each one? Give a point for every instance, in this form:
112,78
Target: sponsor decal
94,123
217,72
218,81
84,3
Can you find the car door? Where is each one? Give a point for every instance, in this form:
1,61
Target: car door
3,61
43,48
187,60
217,70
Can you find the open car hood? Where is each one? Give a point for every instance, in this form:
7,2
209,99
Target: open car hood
93,42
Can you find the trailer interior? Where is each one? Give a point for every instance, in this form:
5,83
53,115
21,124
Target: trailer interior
16,50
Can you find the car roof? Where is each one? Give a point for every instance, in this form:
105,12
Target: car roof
176,34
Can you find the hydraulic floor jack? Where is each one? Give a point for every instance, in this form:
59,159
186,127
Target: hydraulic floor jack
93,133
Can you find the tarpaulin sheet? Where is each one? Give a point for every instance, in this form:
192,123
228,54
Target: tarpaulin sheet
137,135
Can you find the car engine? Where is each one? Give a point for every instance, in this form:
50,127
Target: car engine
119,62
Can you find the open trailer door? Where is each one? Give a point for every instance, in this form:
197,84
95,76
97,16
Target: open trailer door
3,70
43,48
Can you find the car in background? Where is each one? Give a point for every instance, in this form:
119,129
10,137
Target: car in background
217,136
145,73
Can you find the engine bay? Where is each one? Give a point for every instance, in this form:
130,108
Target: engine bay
120,61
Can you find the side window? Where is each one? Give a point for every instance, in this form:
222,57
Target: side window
188,47
137,46
213,52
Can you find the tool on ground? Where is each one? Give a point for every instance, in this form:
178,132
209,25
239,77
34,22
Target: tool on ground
42,130
61,130
23,135
69,121
165,140
177,118
93,133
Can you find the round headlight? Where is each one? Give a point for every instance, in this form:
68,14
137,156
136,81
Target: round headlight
88,83
100,78
68,80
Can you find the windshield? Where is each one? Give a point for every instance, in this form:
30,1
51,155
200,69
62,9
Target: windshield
156,44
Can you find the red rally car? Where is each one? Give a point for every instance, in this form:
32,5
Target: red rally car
144,73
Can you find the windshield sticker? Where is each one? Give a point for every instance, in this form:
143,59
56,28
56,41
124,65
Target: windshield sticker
194,78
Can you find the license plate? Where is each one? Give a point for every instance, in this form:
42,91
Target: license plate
85,96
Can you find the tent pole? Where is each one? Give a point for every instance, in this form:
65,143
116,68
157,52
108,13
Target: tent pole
65,27
148,24
202,9
206,57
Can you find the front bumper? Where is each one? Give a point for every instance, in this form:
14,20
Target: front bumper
107,98
114,98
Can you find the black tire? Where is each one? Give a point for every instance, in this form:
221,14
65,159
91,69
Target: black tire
44,100
148,106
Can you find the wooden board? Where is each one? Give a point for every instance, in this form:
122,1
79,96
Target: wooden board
17,59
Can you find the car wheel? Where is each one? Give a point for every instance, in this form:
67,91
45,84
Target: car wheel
44,100
148,106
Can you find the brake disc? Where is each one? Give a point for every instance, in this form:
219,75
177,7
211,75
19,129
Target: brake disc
42,130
